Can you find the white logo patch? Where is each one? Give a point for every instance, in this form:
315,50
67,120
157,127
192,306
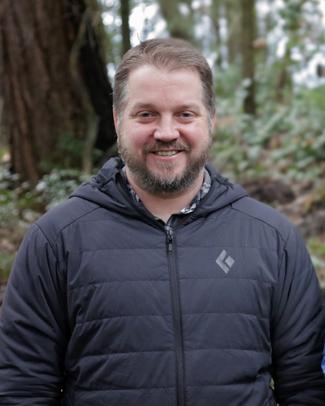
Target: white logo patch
225,261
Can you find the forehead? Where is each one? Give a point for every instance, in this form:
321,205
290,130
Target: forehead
149,84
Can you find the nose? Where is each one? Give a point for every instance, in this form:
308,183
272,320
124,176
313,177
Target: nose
166,130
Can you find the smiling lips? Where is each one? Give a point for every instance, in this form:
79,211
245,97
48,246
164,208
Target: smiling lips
166,153
163,150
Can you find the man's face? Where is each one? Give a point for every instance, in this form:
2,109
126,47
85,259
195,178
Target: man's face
163,130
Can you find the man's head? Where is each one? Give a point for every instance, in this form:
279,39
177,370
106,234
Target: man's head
164,114
167,54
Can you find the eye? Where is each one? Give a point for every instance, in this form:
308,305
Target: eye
145,116
186,115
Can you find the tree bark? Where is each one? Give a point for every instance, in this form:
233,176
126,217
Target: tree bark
248,30
125,14
98,98
48,95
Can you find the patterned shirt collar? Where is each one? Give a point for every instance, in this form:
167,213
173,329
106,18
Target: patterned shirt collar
206,184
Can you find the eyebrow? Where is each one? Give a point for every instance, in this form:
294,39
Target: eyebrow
191,106
142,106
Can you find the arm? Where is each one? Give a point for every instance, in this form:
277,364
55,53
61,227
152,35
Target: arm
33,327
297,329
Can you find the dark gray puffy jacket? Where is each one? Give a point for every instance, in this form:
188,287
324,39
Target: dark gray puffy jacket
106,308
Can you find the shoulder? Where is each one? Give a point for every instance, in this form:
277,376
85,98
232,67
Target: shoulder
261,213
65,214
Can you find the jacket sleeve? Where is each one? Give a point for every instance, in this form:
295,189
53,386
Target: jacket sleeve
33,327
297,329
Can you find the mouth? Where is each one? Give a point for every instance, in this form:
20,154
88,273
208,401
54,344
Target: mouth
166,153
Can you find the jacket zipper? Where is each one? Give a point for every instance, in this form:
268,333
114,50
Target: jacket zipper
177,320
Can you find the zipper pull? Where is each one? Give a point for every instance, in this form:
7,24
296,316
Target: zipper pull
169,232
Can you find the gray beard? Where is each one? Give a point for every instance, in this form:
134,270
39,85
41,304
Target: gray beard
159,186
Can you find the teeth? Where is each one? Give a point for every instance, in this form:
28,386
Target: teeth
166,153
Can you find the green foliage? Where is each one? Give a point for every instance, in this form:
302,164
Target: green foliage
291,14
21,204
58,185
8,209
226,82
67,154
3,152
20,201
71,146
314,98
287,140
316,247
6,261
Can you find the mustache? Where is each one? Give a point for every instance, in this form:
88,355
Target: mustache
166,145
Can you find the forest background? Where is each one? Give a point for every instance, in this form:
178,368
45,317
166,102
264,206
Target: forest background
57,62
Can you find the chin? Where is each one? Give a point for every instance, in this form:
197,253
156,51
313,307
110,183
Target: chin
166,178
167,170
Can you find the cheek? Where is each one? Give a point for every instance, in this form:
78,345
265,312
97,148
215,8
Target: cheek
138,141
139,135
198,137
134,138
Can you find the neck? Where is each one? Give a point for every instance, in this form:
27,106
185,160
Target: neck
164,206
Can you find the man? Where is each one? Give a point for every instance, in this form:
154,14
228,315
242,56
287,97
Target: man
159,282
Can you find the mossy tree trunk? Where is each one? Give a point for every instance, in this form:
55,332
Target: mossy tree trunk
50,84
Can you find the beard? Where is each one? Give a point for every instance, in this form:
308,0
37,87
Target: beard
165,182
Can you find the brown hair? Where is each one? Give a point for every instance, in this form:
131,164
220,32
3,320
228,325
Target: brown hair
169,53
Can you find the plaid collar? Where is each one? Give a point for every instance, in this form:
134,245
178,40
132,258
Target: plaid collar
206,184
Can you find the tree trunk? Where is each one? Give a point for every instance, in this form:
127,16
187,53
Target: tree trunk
248,24
46,88
234,30
292,15
283,84
178,25
98,99
216,16
125,14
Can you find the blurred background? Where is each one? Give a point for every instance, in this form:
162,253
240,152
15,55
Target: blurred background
57,63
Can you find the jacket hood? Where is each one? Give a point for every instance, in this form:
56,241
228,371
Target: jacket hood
108,189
